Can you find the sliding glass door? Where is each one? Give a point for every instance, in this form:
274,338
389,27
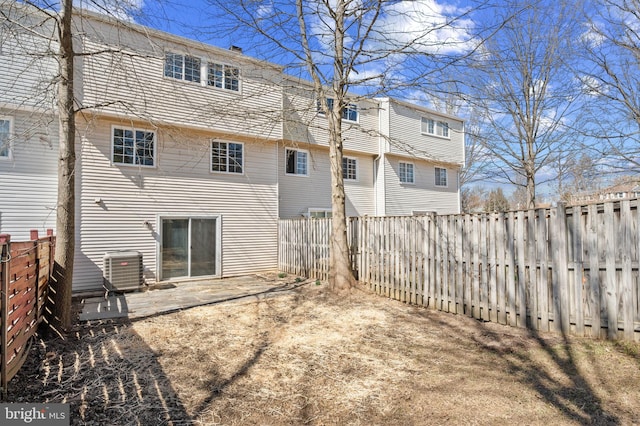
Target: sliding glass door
189,247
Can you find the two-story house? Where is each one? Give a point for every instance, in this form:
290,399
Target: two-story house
189,153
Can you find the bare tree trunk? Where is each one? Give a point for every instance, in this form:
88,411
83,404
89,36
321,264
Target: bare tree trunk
65,212
531,192
341,276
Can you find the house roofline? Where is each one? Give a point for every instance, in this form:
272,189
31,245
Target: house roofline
166,36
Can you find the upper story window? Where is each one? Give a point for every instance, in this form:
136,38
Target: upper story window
296,162
5,137
405,172
227,157
223,76
430,126
349,113
349,168
441,176
134,147
182,67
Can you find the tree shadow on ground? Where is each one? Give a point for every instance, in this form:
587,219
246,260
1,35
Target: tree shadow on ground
545,363
106,373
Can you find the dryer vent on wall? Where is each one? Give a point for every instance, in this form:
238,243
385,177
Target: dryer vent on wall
123,270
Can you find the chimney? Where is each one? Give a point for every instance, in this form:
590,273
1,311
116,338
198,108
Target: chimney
236,49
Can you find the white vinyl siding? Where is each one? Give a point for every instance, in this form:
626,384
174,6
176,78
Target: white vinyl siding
132,83
27,79
304,124
435,137
180,185
424,195
297,196
28,178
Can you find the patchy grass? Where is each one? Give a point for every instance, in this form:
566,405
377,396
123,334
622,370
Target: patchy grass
315,358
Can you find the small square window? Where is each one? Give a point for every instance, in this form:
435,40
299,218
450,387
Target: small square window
405,172
349,168
296,162
227,157
349,112
223,77
182,67
441,177
133,147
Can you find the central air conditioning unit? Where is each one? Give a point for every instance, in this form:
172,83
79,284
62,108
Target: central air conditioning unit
123,270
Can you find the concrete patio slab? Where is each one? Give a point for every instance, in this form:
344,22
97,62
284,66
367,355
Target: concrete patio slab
185,295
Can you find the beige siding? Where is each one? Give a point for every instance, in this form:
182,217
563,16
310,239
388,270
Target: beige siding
423,195
180,184
131,82
28,69
303,124
405,137
299,193
28,179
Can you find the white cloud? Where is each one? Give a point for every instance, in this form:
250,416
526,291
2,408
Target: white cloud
427,26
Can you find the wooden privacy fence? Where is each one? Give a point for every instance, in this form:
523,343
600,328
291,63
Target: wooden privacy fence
25,268
572,270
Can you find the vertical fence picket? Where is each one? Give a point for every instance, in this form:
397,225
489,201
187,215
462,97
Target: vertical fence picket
533,262
577,303
501,267
610,284
510,269
626,284
484,272
459,266
594,271
493,283
521,303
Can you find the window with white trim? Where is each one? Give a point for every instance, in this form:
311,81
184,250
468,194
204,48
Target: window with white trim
349,112
182,67
223,76
441,176
429,126
6,125
320,213
133,147
349,168
296,162
227,157
405,172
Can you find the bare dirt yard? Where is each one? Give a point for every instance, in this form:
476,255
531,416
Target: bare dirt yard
313,358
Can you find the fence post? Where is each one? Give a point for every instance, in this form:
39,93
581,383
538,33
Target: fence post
5,257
